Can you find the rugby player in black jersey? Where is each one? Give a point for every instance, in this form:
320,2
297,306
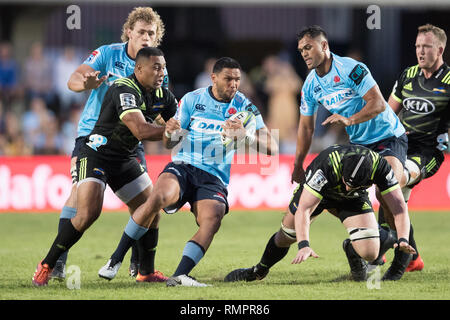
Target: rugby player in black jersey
421,98
108,155
336,181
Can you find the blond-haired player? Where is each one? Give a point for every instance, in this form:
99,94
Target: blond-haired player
143,28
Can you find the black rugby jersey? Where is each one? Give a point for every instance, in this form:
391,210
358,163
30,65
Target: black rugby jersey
110,136
426,104
324,174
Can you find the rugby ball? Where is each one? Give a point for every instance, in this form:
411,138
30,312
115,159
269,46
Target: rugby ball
248,120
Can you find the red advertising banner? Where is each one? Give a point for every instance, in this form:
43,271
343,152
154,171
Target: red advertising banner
43,183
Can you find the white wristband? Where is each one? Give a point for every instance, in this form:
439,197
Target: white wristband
167,134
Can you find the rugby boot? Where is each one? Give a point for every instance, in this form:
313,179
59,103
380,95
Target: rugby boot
398,265
133,269
415,265
384,247
247,274
59,271
358,266
109,270
41,275
156,276
185,281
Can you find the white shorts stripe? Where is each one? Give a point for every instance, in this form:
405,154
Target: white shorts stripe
92,180
130,190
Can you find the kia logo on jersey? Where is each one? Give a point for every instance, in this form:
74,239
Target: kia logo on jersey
419,105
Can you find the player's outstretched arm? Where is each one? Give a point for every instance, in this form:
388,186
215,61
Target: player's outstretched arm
375,104
140,128
85,78
396,203
307,204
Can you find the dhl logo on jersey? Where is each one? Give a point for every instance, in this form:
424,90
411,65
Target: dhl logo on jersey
206,125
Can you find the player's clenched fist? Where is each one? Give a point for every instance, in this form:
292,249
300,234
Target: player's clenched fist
172,125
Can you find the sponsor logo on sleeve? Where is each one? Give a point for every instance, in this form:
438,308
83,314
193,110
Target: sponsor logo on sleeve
303,105
127,101
94,55
252,108
318,180
358,73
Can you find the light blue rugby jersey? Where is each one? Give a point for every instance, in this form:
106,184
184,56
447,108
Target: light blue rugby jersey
111,60
202,116
341,91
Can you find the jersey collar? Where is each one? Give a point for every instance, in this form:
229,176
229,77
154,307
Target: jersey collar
332,58
133,77
437,73
126,51
212,96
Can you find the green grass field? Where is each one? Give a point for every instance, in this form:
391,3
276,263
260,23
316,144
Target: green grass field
25,239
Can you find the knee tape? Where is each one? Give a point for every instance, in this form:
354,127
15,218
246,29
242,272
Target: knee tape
406,193
362,233
411,169
290,233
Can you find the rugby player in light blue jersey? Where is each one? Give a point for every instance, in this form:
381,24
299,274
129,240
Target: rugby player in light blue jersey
346,88
143,28
200,171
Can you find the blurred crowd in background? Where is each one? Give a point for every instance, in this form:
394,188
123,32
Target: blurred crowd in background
39,114
38,53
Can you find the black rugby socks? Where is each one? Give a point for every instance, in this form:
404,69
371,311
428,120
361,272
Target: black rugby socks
65,239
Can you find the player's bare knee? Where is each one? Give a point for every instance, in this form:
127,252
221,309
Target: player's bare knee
365,241
159,200
369,255
85,218
211,222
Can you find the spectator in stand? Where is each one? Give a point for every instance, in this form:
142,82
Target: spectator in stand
203,79
34,120
14,142
49,140
9,73
64,66
69,131
282,85
38,75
